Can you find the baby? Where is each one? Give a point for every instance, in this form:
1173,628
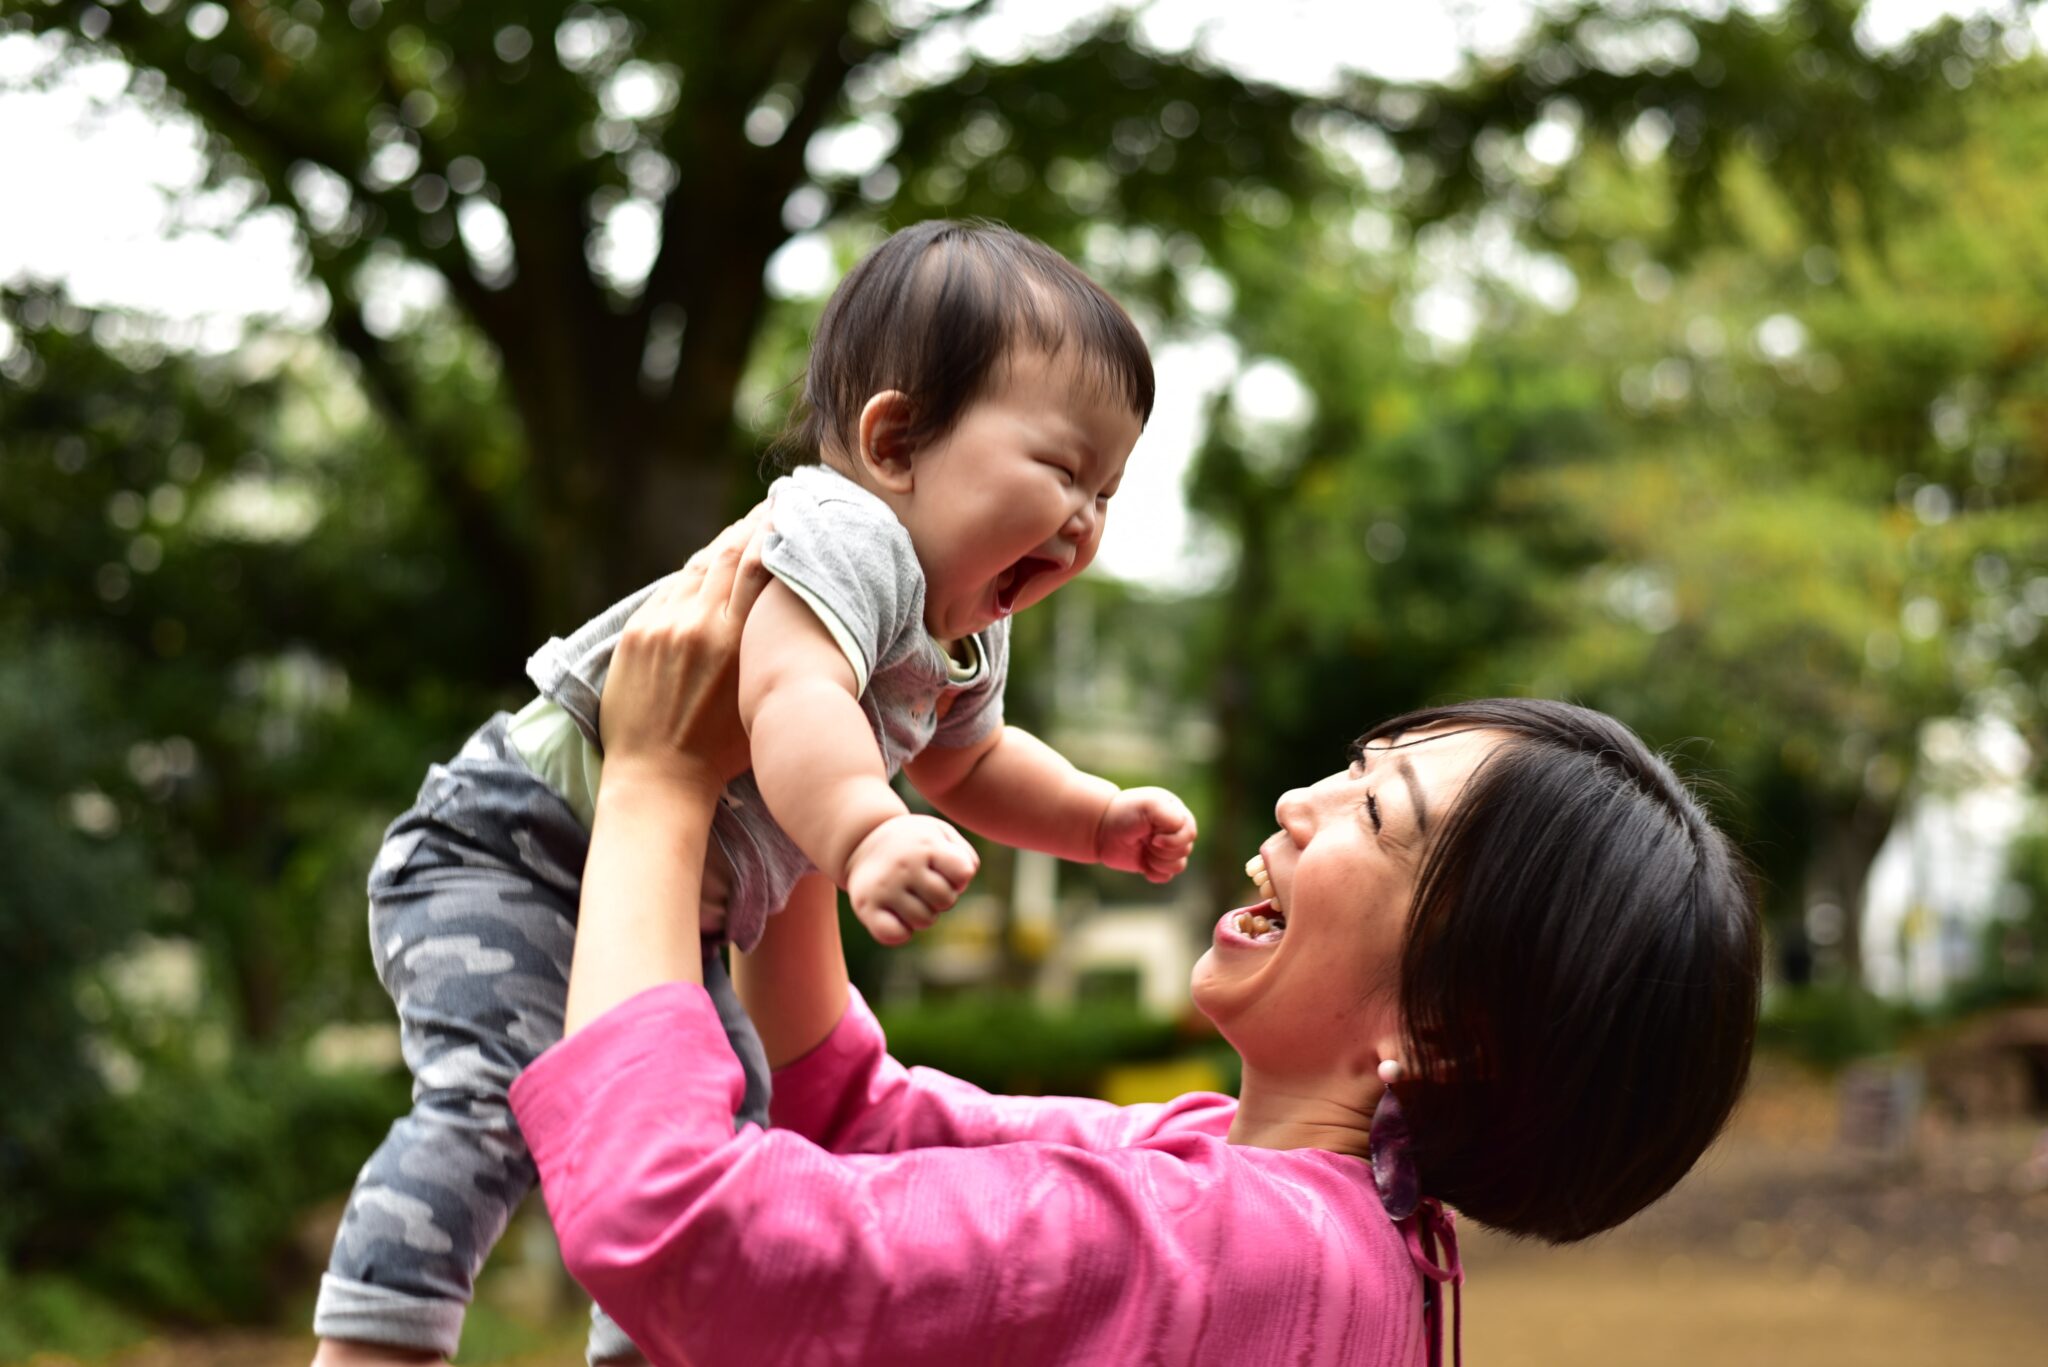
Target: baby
971,400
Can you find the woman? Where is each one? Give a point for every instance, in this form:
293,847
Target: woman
1510,915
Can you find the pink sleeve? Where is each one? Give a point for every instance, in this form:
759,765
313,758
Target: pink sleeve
760,1247
849,1096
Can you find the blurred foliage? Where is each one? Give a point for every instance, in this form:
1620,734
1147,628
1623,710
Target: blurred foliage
1828,1025
2013,953
1006,1043
71,898
182,1196
1774,503
1743,436
493,146
56,1315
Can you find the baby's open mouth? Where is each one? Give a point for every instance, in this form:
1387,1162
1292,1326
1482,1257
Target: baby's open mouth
1268,922
1015,579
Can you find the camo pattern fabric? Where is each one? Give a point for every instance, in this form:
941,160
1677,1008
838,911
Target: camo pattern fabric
472,918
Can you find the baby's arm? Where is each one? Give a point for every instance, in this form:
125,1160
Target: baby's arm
1014,788
822,775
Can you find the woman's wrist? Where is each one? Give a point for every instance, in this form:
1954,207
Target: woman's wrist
669,778
637,922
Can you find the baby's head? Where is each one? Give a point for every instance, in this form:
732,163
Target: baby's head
989,393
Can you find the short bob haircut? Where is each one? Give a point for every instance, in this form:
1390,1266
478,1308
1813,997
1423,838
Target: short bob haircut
934,312
1580,978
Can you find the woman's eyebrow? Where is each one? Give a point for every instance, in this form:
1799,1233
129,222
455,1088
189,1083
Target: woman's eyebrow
1415,796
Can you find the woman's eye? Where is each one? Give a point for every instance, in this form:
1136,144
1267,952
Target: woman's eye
1372,809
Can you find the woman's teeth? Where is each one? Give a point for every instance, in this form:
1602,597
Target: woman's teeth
1255,869
1261,926
1271,923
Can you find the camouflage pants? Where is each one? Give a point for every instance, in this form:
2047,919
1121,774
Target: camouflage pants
472,918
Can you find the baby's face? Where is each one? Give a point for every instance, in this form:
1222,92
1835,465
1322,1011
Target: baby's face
1011,504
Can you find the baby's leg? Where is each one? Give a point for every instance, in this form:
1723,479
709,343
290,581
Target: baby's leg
472,920
472,917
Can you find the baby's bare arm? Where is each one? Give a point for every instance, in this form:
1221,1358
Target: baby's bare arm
1015,789
814,753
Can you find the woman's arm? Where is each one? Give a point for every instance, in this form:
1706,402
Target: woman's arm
711,1246
672,738
836,1085
794,983
849,1096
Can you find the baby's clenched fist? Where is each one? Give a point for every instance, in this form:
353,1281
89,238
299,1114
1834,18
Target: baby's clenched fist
908,870
1147,831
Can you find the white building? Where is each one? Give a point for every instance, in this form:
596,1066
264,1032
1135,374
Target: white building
1939,879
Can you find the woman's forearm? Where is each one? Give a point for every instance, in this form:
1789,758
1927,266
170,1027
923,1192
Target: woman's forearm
794,983
638,918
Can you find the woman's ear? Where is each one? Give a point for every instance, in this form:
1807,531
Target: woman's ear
884,444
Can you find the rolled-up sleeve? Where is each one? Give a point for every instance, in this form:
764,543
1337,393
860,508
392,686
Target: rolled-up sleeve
849,1096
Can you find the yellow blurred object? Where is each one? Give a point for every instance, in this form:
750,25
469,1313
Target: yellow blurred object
1031,941
1130,1083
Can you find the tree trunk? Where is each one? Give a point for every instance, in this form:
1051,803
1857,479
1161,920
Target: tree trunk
1847,839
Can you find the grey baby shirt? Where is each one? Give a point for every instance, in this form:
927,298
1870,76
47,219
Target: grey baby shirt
842,551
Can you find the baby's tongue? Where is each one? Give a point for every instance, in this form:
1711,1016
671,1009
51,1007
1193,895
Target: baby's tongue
1011,586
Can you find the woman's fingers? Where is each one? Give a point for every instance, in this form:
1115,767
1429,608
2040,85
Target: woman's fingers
721,557
751,577
728,570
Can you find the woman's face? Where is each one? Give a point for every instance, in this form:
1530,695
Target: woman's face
1317,991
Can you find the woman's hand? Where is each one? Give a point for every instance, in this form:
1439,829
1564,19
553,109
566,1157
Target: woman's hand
670,722
671,700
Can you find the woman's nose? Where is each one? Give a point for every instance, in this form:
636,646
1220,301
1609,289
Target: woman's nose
1295,813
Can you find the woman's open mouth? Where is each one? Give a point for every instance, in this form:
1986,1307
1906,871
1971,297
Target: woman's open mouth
1255,869
1014,580
1267,921
1256,926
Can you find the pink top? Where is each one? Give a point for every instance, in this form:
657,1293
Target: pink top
900,1215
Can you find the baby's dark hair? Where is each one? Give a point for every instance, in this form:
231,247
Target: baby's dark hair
934,312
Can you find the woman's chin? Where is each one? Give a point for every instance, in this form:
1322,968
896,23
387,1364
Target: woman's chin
1210,987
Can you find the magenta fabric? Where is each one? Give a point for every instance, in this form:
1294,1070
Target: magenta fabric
902,1216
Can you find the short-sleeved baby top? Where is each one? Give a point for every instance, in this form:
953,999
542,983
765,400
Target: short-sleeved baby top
842,551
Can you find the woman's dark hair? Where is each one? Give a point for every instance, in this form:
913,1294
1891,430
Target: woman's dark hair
935,311
1580,978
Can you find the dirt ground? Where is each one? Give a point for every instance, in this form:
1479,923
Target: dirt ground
1777,1250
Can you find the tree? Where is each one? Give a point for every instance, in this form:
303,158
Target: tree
1775,503
502,148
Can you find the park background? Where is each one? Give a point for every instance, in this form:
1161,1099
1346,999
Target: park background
1689,361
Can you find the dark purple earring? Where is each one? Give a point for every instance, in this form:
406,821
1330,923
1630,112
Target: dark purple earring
1393,1165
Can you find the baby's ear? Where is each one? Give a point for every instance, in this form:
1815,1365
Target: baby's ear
884,436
